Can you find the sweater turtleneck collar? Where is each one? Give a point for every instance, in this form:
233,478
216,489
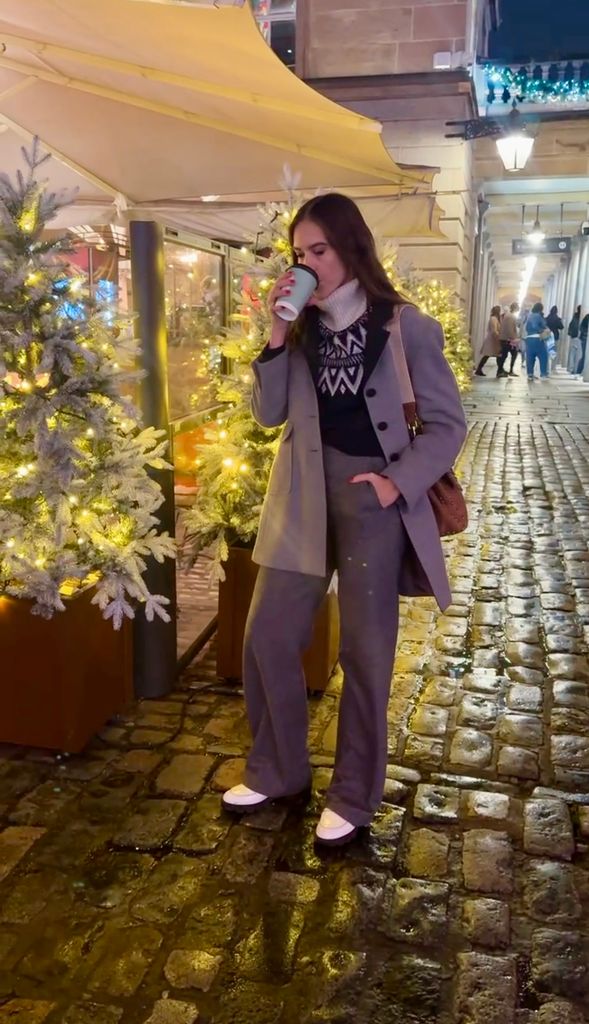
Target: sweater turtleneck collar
343,307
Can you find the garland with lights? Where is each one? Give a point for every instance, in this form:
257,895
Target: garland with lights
233,465
530,85
77,504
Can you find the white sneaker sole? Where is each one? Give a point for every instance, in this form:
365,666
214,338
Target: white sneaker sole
244,803
248,805
335,836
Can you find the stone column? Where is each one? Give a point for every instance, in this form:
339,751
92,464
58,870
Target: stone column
582,275
579,291
484,300
560,292
559,298
585,303
568,303
479,302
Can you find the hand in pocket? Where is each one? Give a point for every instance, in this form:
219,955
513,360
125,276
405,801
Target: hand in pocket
386,491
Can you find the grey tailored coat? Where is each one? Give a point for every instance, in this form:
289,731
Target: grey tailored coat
293,526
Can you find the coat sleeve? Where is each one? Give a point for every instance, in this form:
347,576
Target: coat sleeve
270,390
433,452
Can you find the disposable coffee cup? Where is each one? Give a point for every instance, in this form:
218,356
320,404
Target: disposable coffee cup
288,307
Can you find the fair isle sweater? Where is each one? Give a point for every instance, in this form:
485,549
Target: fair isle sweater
340,372
336,353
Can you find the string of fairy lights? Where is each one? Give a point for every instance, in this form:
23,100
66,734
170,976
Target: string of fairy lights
535,84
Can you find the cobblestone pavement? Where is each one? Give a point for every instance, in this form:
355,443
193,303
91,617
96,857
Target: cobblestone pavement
126,895
197,603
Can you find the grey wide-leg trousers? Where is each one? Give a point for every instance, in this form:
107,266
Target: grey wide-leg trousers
366,545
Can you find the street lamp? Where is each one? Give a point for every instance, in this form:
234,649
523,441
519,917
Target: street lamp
515,145
512,137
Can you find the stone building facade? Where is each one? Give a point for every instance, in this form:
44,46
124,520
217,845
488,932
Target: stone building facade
405,62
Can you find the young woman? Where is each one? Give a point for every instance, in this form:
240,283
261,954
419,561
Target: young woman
491,344
348,491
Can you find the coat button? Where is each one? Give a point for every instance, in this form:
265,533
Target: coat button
382,425
393,457
370,392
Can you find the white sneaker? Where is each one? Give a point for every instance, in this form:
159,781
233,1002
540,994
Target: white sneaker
333,830
242,798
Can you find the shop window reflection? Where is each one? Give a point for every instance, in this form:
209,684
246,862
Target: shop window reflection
194,318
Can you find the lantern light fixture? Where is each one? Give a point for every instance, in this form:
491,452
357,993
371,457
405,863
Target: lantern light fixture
515,144
512,135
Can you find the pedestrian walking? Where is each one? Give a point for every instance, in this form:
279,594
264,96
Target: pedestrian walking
348,491
574,352
509,338
583,331
491,344
537,333
556,325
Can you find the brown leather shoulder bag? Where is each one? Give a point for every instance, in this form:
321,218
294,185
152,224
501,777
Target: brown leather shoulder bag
446,497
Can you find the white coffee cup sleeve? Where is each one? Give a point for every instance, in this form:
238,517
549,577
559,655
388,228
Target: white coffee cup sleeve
285,310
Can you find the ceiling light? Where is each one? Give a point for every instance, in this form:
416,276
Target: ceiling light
209,199
536,235
530,264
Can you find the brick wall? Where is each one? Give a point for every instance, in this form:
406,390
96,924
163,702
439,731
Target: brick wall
379,37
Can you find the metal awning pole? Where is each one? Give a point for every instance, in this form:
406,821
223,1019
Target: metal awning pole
154,642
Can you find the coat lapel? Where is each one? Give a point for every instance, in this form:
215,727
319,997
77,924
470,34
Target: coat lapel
376,335
310,341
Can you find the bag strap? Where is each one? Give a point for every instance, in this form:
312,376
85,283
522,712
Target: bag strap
400,360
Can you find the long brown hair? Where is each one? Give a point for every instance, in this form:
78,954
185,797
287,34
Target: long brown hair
346,230
348,233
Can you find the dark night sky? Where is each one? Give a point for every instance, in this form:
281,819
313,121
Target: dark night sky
542,30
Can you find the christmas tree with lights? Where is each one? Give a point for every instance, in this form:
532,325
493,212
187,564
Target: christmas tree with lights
433,298
437,301
233,464
77,503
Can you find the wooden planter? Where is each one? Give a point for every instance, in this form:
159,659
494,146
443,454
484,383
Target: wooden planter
235,595
63,678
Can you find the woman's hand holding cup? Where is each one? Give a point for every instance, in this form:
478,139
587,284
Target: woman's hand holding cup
282,287
288,298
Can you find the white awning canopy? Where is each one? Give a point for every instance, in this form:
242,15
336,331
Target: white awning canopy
389,217
396,216
158,102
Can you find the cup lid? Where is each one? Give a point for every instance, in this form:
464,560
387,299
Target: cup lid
301,266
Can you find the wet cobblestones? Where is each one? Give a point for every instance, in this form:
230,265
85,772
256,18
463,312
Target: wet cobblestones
126,894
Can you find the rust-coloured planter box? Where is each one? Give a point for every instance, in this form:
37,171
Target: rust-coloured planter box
61,679
235,595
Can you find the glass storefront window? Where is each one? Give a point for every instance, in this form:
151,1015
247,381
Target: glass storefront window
194,316
277,21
